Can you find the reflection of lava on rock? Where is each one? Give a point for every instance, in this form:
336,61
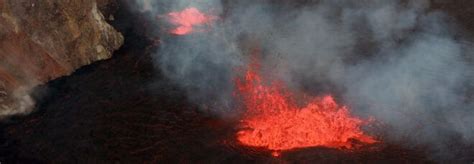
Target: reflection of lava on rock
272,119
187,19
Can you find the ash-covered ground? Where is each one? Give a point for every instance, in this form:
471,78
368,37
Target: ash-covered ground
106,113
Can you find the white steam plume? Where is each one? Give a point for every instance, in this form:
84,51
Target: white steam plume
398,61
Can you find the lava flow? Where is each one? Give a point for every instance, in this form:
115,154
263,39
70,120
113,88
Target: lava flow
274,121
187,19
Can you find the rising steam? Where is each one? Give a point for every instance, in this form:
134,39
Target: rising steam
398,61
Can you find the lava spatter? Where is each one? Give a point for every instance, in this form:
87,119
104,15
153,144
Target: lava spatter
274,121
188,19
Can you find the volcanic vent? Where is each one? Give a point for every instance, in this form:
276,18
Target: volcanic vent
274,121
271,118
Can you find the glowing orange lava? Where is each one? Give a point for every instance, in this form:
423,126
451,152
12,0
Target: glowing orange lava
274,121
187,19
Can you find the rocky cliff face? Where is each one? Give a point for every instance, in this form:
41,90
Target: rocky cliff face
43,40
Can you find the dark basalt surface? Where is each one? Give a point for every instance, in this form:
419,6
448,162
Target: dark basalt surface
116,111
106,113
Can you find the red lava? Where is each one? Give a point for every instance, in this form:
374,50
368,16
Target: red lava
187,19
274,121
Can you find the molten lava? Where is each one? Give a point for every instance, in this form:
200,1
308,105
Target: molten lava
187,19
274,121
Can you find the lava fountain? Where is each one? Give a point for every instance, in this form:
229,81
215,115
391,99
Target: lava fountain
273,120
187,19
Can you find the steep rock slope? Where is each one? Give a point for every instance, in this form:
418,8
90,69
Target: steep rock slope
43,40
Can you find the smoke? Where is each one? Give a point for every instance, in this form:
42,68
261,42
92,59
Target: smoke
398,61
19,103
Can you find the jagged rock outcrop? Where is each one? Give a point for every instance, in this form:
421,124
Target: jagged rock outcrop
43,40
